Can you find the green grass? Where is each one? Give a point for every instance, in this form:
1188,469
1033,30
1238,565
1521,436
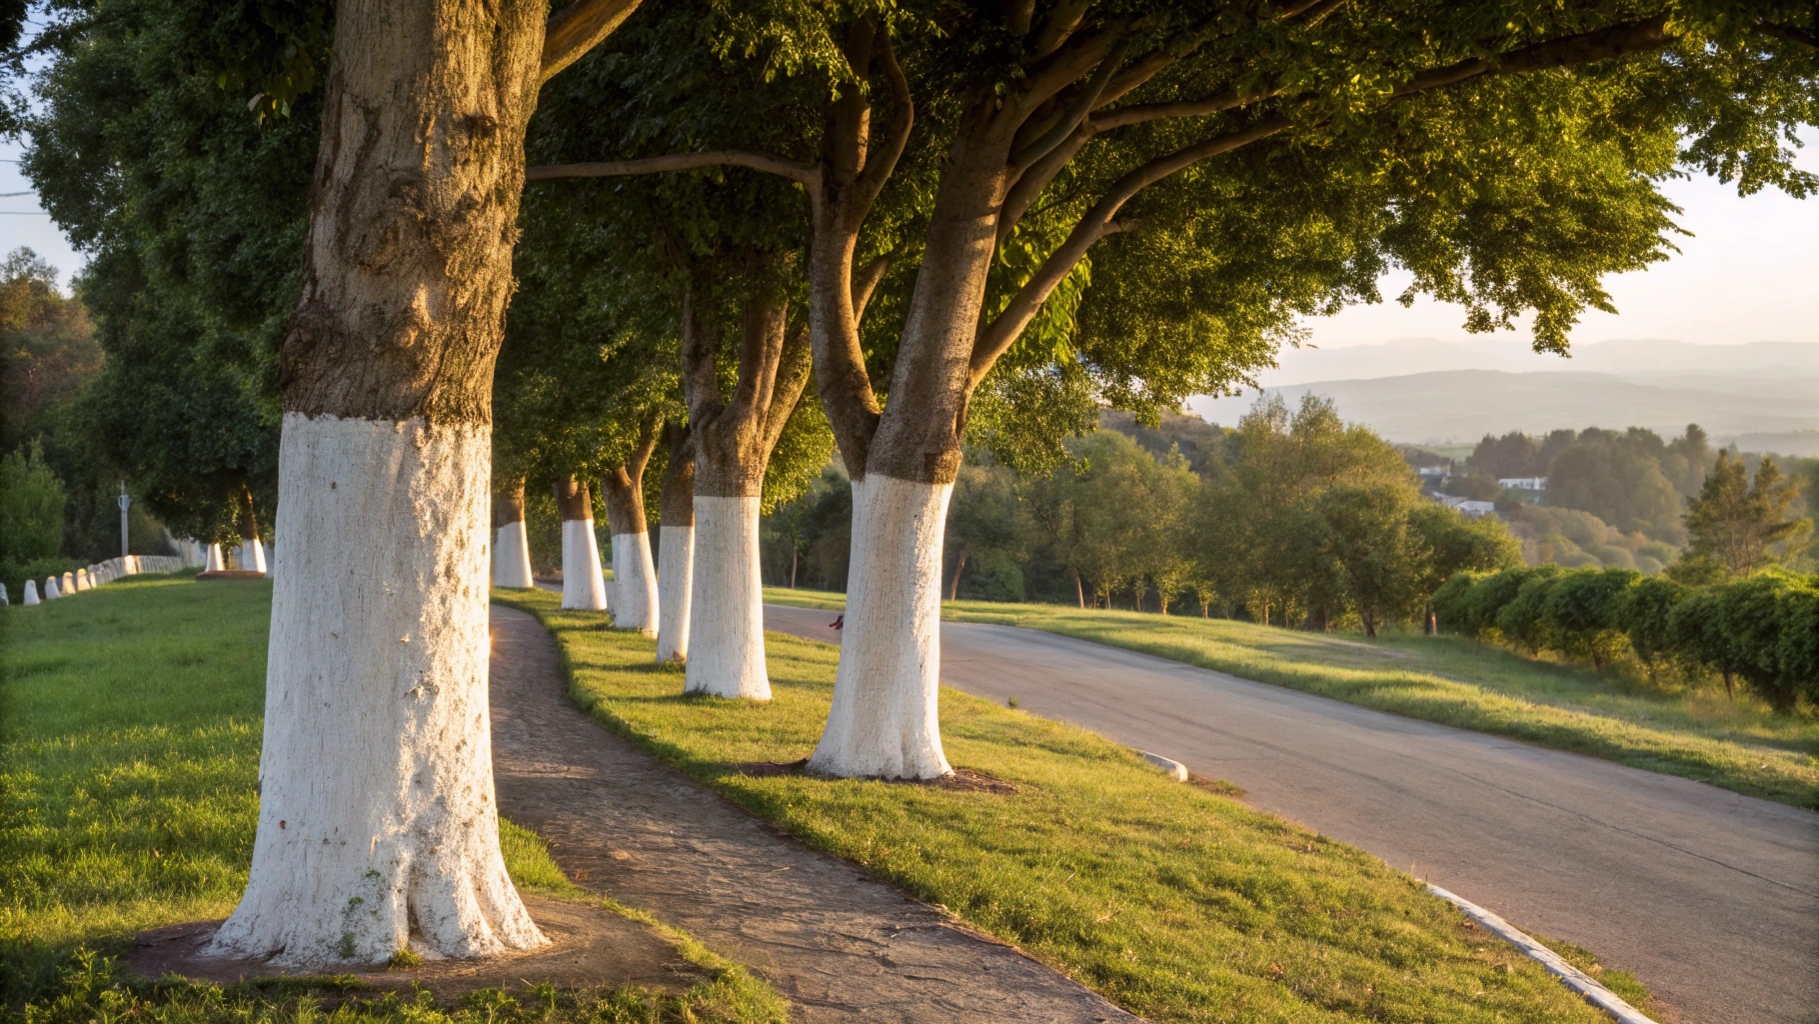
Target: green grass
1740,745
1177,903
128,761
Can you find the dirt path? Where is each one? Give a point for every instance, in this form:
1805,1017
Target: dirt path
838,945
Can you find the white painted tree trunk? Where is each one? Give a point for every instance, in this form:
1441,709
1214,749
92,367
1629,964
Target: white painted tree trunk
884,720
512,558
582,584
675,570
252,555
377,825
727,602
31,592
215,562
635,583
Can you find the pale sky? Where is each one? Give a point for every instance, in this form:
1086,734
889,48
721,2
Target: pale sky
1749,273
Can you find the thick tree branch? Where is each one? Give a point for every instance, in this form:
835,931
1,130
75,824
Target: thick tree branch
700,365
1058,26
866,282
794,367
1143,112
1619,40
578,28
998,336
1791,33
881,161
807,174
1025,153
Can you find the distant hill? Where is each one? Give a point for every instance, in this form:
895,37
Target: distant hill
1766,392
1631,358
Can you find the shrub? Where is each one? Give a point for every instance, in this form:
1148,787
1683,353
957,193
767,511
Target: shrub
1580,612
1646,618
1451,601
1521,618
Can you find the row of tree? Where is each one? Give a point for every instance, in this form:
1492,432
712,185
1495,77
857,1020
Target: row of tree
1762,629
961,222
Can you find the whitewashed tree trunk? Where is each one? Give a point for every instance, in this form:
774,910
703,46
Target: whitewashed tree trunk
727,602
31,592
675,571
216,563
387,685
512,557
583,585
252,555
884,721
511,551
634,583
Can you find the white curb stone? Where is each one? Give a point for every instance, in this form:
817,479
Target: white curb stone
1172,768
31,592
1575,979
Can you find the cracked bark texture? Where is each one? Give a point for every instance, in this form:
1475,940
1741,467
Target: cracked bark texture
839,945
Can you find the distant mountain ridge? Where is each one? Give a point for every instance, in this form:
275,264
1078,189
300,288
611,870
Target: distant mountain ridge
1765,391
1632,358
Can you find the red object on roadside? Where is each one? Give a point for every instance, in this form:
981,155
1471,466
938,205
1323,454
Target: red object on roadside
839,621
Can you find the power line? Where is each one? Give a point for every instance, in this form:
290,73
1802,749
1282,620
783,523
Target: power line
12,195
23,213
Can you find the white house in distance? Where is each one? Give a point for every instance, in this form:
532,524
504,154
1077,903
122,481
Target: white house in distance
1466,506
1523,483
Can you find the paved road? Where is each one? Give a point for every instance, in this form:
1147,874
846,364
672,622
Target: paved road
1711,898
844,949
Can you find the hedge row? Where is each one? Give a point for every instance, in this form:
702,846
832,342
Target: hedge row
1762,629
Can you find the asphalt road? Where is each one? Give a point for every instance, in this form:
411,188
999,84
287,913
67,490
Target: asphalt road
1710,898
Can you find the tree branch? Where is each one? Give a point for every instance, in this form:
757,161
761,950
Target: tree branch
1143,112
1083,104
807,174
1791,33
881,161
1058,26
998,336
793,369
1616,41
700,365
578,28
867,282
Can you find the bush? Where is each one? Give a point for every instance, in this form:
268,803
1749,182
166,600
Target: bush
31,508
1581,612
1521,619
1646,618
1451,601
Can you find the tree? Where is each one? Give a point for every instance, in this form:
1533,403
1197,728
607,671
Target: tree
377,821
31,513
1375,556
1744,525
1198,152
48,351
984,527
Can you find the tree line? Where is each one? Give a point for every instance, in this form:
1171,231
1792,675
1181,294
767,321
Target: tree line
1291,518
613,250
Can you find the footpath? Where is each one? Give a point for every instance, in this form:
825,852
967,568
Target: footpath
840,946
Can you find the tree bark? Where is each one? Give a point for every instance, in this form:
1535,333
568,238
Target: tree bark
734,439
953,593
676,546
511,549
1079,591
583,584
634,575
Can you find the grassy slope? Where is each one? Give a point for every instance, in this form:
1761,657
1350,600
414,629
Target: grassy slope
1739,745
132,721
1179,904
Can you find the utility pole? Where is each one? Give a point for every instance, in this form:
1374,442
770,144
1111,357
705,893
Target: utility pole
125,503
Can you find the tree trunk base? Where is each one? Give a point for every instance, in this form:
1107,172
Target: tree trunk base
634,583
675,572
377,827
726,603
512,558
583,586
884,723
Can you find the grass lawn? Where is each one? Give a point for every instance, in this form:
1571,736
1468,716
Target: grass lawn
130,750
1740,745
1175,902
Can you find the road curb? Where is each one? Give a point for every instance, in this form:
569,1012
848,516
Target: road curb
1574,978
1173,768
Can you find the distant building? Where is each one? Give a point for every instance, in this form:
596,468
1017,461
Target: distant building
1466,506
1433,472
1523,483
